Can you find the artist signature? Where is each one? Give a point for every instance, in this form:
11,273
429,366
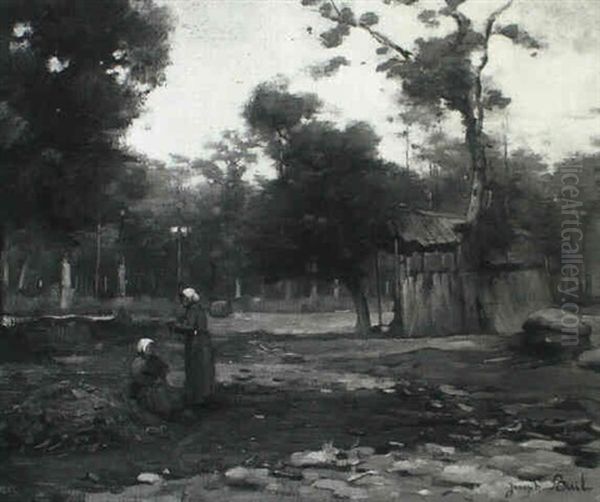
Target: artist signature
559,483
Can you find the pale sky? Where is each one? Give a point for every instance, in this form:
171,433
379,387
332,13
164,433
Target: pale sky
223,48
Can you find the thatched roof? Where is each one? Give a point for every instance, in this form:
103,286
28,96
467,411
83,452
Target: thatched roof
420,230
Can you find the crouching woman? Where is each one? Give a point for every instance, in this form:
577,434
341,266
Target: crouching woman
148,385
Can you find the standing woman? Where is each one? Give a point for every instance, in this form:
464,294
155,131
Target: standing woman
199,357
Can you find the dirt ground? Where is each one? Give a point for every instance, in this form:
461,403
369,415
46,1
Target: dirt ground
295,383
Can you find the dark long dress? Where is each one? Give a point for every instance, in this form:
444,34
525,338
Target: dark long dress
199,355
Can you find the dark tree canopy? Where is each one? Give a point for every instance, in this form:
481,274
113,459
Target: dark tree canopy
272,113
272,110
73,76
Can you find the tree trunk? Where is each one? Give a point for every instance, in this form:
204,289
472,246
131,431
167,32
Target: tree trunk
336,289
314,292
363,318
238,287
263,289
66,289
478,172
288,288
3,289
378,286
397,324
5,266
212,286
122,278
98,259
23,274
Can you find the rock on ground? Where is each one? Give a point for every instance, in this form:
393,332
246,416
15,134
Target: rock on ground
149,478
590,359
556,321
532,465
341,489
248,478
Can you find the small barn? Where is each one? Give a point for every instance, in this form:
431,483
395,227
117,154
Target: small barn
440,290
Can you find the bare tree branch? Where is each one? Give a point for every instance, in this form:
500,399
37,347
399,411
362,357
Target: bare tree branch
463,23
385,40
335,7
488,33
489,25
378,36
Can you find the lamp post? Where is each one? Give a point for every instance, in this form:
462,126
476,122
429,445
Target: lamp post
179,231
121,270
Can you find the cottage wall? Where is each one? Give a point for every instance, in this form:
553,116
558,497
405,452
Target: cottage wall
441,297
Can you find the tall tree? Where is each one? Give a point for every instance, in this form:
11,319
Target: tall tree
221,208
326,214
73,75
273,114
440,72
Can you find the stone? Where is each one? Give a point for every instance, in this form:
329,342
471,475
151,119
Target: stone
378,462
556,321
294,473
535,464
149,478
453,391
325,456
246,477
567,424
590,359
439,451
341,489
417,466
353,478
542,444
361,452
79,394
310,475
469,475
220,308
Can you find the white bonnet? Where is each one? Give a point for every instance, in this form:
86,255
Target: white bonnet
143,345
191,295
